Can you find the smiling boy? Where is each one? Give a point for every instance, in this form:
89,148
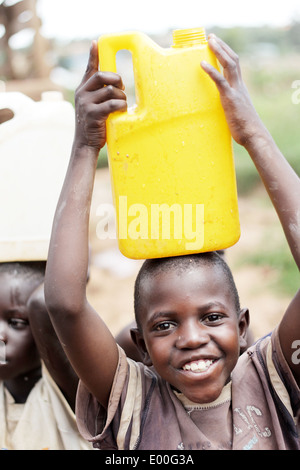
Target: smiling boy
192,328
192,390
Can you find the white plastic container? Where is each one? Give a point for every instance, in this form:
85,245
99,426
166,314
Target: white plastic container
35,147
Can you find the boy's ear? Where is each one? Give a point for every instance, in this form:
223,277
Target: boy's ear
244,321
138,340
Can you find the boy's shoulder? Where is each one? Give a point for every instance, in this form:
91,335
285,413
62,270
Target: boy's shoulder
263,368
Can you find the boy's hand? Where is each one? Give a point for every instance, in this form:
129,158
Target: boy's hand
241,116
98,94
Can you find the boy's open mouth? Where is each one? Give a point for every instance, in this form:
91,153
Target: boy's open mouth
198,366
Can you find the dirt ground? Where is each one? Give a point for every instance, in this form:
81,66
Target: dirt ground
110,289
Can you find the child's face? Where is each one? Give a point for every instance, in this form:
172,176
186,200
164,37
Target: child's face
191,330
21,353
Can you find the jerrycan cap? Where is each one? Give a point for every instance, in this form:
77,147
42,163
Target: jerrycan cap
189,37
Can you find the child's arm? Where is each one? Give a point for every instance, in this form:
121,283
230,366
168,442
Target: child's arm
87,341
281,182
49,347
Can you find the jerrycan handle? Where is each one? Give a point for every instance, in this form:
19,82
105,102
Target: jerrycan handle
134,42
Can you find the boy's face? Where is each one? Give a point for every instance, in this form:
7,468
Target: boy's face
191,330
21,353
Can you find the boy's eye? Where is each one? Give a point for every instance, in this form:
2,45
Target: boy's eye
164,326
213,317
18,323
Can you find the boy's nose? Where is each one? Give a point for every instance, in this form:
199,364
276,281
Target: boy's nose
2,352
3,332
192,336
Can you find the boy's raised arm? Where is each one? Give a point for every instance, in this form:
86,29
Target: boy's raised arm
49,347
280,180
87,341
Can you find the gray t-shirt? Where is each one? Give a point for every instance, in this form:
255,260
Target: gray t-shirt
257,410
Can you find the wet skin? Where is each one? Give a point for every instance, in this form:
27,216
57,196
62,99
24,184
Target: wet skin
187,318
21,354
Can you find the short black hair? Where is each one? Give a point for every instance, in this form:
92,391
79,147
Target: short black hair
152,267
27,269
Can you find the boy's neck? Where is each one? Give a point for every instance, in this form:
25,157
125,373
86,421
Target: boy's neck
225,396
20,387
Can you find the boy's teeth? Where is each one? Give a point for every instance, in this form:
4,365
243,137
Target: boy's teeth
199,366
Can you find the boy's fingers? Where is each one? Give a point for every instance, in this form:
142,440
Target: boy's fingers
101,79
221,53
109,107
93,62
94,77
108,93
227,58
215,75
224,46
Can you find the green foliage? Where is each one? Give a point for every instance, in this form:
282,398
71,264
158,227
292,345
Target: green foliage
246,173
247,39
282,119
279,259
102,160
270,86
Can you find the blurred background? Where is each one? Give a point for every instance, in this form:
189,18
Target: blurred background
44,46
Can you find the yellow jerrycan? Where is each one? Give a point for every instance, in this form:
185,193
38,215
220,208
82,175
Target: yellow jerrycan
170,155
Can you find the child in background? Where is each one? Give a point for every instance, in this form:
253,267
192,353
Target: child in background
193,389
37,384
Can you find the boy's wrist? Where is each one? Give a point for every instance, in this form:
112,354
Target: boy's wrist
87,150
258,140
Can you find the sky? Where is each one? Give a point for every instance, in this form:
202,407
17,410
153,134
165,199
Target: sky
71,19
